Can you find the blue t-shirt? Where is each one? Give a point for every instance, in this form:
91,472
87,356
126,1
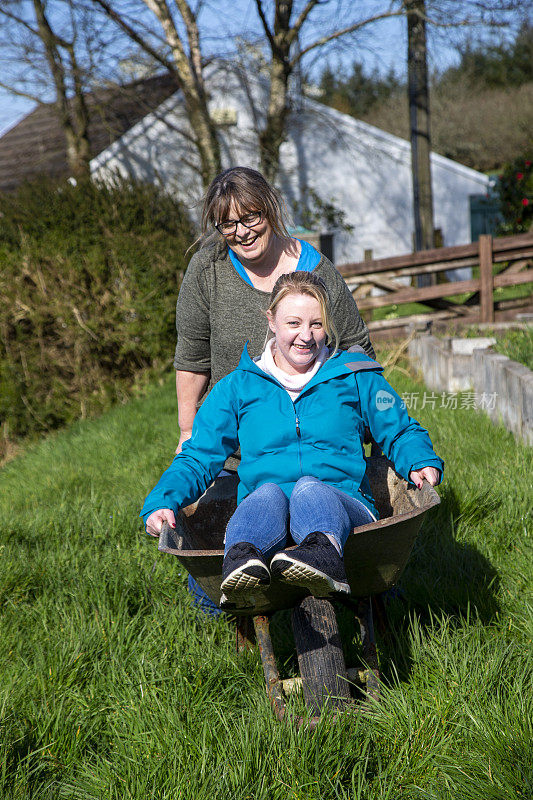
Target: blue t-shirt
309,258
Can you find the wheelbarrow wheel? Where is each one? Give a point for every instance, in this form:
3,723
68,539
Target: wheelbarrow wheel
320,657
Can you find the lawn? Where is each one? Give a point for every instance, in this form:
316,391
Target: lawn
515,343
113,686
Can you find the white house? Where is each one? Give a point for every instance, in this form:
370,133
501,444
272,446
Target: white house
362,170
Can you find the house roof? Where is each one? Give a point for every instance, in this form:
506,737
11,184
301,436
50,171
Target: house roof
36,145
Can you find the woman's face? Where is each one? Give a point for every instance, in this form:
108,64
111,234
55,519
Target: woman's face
297,326
248,244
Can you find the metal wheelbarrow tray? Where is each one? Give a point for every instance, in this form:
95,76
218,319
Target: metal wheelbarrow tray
375,556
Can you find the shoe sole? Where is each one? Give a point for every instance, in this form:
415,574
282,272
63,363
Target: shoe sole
234,603
238,587
241,580
297,573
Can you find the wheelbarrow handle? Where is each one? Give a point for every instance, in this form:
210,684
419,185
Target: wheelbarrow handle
169,539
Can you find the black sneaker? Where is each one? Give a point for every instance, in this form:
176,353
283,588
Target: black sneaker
243,571
315,564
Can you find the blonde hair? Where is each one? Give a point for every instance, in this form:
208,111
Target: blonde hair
249,190
300,282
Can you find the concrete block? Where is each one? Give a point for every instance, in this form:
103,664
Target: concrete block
526,388
504,388
431,363
460,377
492,377
466,347
512,403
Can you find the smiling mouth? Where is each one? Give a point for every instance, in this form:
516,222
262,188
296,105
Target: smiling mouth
248,242
303,346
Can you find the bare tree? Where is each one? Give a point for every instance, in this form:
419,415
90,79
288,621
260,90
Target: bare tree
283,34
45,57
418,91
282,22
184,60
443,15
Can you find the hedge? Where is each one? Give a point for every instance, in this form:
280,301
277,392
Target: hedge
89,275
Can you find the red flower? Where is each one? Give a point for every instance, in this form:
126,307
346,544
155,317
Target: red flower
525,201
519,176
527,163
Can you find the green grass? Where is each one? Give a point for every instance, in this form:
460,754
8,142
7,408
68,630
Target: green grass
516,344
113,687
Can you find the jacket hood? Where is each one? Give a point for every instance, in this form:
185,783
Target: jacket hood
342,363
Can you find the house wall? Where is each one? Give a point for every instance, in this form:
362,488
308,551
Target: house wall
360,169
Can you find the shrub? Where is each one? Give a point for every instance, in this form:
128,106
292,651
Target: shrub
515,188
89,275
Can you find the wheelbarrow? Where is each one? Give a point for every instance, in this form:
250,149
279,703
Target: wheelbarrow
375,556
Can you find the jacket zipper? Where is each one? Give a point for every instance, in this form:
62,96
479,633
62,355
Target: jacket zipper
298,438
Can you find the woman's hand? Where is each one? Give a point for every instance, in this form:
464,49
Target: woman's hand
431,474
154,523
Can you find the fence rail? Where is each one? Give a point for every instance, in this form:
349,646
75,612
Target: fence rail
502,262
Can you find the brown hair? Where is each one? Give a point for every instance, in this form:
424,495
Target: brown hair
248,189
300,282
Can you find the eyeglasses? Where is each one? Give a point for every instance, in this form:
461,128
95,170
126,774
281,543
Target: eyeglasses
249,220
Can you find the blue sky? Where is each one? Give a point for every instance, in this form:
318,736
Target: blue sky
380,47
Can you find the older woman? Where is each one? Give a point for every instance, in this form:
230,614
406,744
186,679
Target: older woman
229,281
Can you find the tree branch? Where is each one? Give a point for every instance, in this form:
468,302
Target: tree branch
20,93
193,37
162,12
264,22
18,20
132,33
336,34
295,29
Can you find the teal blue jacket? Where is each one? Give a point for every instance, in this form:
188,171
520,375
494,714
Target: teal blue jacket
321,433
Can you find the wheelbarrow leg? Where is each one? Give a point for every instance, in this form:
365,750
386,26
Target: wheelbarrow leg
245,634
368,640
268,659
320,657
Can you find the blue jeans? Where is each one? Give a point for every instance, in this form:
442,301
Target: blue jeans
266,517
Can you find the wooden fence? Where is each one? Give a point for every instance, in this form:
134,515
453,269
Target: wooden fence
502,262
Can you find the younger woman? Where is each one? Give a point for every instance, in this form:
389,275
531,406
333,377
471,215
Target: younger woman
298,413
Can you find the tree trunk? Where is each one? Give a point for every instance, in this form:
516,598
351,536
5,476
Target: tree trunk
419,122
73,114
78,154
188,70
205,139
271,138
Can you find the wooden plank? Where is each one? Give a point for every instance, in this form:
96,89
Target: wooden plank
517,266
513,279
503,244
411,319
486,287
363,277
437,255
409,271
509,314
504,249
412,295
518,303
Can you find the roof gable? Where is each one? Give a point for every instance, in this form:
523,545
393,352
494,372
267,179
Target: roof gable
37,144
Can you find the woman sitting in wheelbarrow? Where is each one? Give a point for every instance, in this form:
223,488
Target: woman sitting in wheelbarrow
298,413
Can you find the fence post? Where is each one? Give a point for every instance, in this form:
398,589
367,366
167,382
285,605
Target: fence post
486,286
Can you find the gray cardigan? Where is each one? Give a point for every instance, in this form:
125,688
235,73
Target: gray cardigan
218,312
